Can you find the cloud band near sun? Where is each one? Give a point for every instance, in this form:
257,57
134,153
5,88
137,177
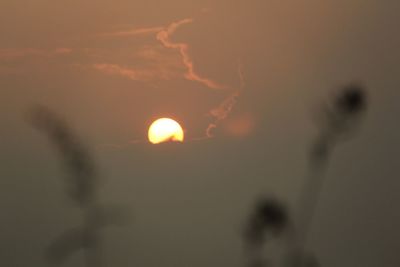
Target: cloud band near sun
163,35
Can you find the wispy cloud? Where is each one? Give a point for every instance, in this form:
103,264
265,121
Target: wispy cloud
152,53
114,69
164,37
22,60
134,32
11,53
156,57
222,111
148,63
62,50
14,53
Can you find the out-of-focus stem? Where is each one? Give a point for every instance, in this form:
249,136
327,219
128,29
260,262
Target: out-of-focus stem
93,248
313,186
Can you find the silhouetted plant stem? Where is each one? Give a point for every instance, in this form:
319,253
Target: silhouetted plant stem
268,220
91,237
339,119
82,189
312,190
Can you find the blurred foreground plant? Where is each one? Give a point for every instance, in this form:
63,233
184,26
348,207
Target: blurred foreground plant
338,121
270,220
83,190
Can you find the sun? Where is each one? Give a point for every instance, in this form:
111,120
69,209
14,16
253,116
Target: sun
164,130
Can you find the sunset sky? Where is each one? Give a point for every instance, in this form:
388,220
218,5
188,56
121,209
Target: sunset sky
243,78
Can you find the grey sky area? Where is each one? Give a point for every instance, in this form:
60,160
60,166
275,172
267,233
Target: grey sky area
245,79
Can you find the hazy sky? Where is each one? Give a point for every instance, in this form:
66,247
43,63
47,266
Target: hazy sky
253,73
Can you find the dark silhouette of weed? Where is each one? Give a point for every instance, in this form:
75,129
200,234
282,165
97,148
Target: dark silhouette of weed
338,121
83,189
268,219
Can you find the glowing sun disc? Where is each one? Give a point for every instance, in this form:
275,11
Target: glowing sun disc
164,130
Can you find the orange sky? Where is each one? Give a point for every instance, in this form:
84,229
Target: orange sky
182,62
249,74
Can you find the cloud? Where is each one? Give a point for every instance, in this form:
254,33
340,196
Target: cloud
62,50
222,111
15,53
11,53
139,31
159,58
114,69
163,34
164,37
148,72
27,58
156,57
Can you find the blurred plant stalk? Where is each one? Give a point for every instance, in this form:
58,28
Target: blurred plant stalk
82,188
338,121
